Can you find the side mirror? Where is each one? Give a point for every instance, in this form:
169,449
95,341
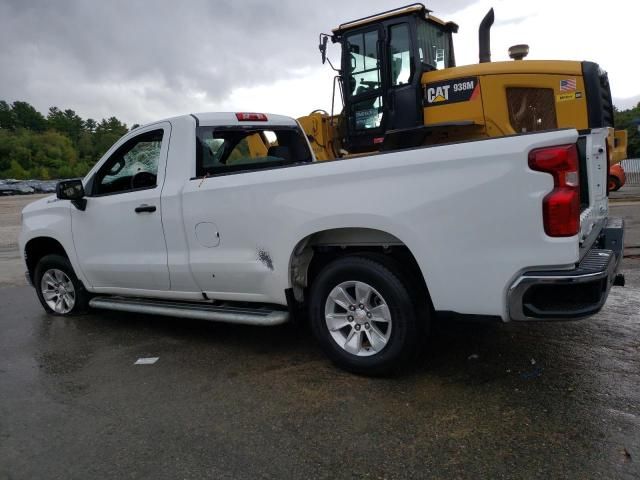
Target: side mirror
72,190
323,48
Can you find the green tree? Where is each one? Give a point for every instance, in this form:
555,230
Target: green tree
90,125
85,147
106,134
62,145
67,122
16,171
7,118
626,119
37,155
6,146
28,117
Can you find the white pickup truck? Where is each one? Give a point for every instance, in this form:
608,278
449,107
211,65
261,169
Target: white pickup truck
187,218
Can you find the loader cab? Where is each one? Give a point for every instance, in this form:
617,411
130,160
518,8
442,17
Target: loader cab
383,58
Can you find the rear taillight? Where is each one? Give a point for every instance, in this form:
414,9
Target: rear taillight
561,207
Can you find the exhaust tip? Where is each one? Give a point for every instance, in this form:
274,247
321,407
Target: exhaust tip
484,34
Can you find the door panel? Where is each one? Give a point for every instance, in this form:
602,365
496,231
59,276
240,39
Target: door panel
228,264
363,89
225,225
116,245
403,104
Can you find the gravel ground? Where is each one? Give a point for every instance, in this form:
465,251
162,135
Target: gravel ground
12,271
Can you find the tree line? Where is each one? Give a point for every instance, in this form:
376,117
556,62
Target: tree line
58,145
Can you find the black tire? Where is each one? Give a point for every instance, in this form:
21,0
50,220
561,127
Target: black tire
614,183
62,263
408,277
402,344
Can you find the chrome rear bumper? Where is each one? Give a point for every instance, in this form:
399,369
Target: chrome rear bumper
571,294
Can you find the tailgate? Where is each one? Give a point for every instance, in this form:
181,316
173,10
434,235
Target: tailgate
594,205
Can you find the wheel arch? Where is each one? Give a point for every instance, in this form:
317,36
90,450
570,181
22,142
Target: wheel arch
38,247
319,248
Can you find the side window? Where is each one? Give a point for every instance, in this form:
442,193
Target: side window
363,62
400,55
133,166
226,150
434,45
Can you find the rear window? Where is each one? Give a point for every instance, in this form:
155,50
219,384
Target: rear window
232,150
531,109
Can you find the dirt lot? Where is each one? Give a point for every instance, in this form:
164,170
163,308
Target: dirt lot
12,267
223,401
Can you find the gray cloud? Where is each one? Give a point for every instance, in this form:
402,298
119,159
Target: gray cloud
626,103
499,22
132,58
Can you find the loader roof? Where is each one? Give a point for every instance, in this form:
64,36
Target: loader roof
417,8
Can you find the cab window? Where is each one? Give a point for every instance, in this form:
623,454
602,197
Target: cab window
363,62
224,150
133,166
400,55
434,45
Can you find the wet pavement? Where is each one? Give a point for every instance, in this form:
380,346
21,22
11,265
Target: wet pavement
629,192
226,401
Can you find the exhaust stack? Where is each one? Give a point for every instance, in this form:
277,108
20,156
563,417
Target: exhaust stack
484,37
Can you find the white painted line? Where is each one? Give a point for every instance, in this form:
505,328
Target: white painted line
146,361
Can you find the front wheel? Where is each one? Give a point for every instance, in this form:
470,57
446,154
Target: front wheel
59,290
363,316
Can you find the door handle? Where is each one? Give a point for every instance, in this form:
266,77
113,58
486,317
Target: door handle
145,208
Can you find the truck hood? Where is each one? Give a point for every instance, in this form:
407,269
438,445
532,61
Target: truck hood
41,204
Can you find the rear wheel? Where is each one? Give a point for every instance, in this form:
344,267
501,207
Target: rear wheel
614,183
363,316
59,290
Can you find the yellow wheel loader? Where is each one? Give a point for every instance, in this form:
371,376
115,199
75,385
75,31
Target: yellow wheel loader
401,88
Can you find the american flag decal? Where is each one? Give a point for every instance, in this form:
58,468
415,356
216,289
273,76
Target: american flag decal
568,85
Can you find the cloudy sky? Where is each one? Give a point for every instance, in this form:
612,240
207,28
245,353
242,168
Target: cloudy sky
144,60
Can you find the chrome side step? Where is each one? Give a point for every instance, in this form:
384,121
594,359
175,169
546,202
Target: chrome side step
197,311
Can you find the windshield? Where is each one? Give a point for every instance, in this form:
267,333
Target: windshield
434,45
